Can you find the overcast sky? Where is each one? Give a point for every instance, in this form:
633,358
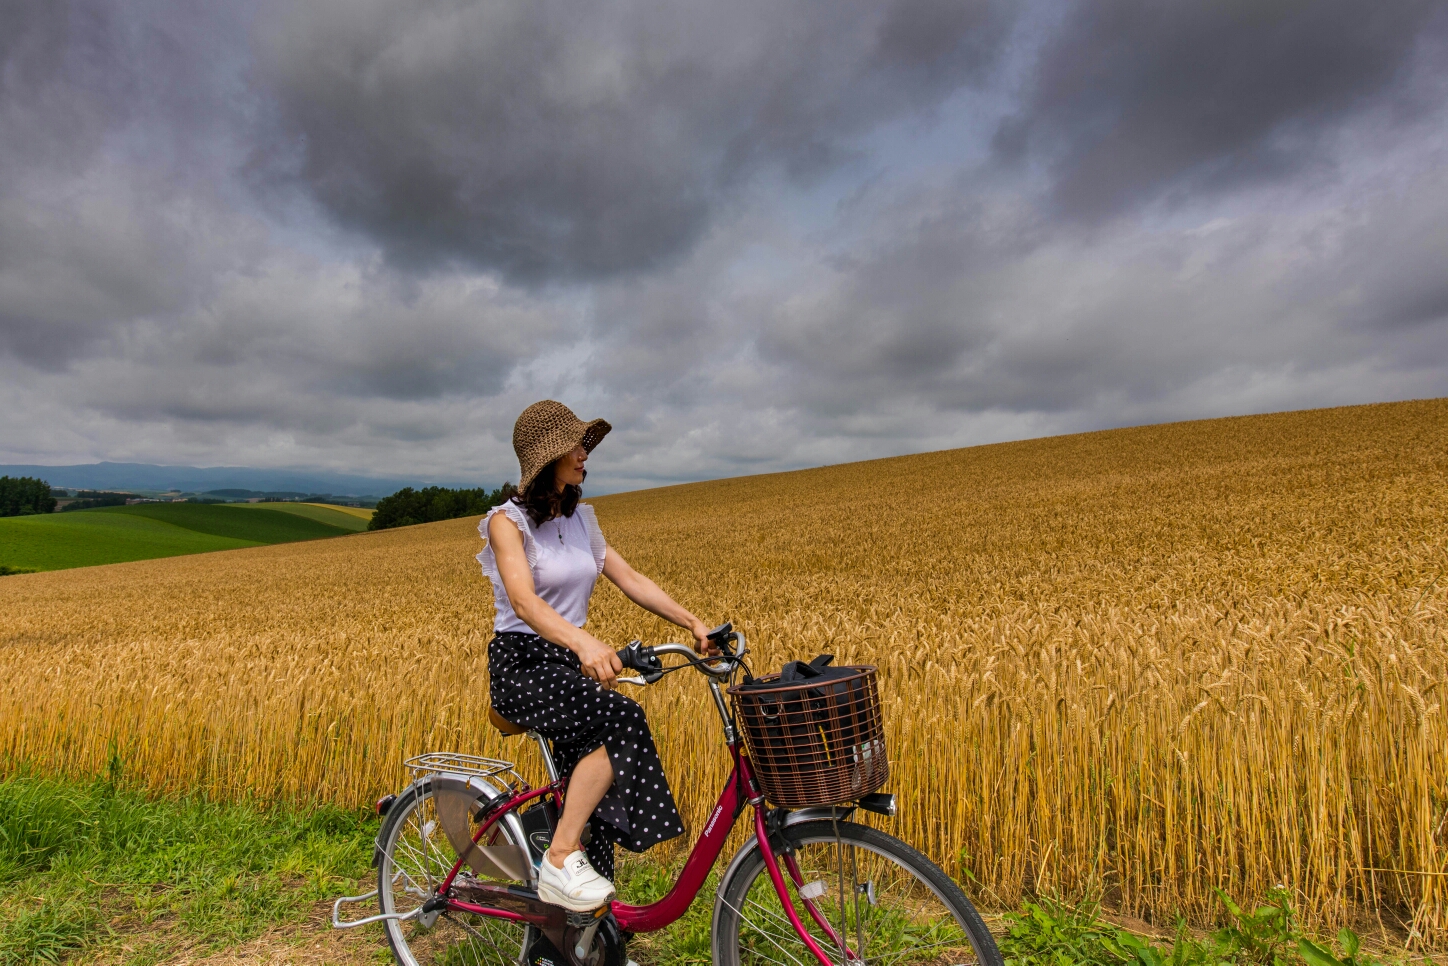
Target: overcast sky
362,235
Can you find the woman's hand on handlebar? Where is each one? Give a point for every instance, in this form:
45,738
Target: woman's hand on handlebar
600,663
702,644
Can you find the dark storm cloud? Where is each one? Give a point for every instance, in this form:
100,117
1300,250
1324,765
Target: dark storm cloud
124,234
1136,100
108,211
571,139
290,342
971,305
60,80
364,235
962,314
56,99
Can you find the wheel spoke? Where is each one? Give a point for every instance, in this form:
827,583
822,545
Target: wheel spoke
919,917
776,935
413,853
777,917
767,935
479,934
416,858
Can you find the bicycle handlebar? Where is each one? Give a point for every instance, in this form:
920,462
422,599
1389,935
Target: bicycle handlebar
637,657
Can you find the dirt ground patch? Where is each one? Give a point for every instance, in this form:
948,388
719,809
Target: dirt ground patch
310,943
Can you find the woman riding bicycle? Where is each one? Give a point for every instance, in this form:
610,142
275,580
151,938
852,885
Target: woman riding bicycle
547,674
811,885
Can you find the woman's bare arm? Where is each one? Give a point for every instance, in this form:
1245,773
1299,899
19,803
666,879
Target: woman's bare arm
598,659
648,595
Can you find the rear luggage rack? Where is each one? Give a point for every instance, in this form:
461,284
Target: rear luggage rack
457,763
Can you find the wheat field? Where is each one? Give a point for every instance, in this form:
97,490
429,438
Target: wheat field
1143,663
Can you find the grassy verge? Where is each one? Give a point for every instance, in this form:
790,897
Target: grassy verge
96,873
1054,933
1048,932
95,869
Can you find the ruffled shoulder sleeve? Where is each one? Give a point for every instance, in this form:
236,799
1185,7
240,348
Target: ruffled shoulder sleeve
596,543
515,513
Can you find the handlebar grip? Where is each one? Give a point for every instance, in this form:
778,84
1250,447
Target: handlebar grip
630,656
636,657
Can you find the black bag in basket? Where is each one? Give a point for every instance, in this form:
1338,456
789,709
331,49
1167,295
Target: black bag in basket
808,727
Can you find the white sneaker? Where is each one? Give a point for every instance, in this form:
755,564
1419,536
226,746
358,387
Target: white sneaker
576,887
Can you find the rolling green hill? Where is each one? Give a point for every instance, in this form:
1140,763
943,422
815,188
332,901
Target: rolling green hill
142,531
351,519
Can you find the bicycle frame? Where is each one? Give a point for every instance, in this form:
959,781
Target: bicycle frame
705,853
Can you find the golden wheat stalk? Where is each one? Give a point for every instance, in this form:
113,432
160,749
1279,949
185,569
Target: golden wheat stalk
1150,663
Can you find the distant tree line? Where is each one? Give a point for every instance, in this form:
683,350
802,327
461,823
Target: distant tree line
90,499
282,496
430,504
24,495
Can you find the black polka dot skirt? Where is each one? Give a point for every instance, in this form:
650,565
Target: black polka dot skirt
539,685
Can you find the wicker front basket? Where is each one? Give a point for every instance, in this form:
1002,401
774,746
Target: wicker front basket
819,742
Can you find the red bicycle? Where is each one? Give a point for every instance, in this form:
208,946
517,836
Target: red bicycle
457,858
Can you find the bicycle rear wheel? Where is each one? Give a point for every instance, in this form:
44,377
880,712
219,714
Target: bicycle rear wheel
882,902
415,858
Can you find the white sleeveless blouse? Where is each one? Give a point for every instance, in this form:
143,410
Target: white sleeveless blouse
566,556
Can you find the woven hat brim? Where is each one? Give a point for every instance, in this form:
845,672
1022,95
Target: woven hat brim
594,433
588,435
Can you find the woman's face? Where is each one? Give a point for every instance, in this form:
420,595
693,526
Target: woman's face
570,468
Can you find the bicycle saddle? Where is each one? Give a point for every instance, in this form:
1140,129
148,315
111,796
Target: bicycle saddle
503,724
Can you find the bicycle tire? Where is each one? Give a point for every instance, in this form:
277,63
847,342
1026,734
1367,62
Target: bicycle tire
407,860
922,897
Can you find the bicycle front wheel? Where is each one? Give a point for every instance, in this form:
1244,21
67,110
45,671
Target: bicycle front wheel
880,901
415,859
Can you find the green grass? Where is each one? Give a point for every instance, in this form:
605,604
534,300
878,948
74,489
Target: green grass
86,867
90,866
1054,933
83,538
235,522
685,942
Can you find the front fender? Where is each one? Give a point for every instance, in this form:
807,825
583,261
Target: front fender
751,846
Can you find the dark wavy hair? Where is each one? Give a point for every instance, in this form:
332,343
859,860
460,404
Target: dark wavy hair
542,499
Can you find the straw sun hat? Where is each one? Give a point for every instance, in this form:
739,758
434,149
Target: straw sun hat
548,430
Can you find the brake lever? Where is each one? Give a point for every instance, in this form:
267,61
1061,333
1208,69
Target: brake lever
720,635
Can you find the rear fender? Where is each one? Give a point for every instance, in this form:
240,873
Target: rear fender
476,788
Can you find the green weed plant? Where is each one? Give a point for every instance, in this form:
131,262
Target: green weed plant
1049,932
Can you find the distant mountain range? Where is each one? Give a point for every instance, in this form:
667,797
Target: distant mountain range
196,479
